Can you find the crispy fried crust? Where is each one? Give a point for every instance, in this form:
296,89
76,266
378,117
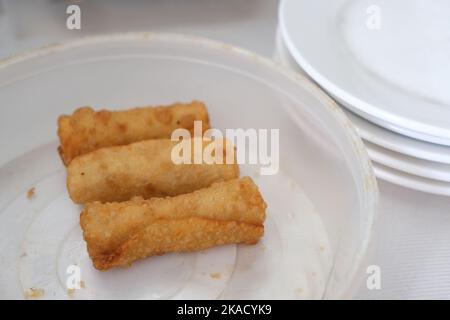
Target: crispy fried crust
142,169
119,233
87,130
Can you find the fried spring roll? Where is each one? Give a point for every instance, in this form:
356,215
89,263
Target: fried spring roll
86,130
144,169
119,233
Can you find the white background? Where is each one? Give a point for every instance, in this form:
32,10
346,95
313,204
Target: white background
412,244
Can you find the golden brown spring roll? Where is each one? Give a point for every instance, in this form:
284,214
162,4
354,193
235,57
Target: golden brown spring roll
86,130
142,169
226,212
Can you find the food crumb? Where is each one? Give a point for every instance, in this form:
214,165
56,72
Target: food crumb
215,275
31,192
34,293
322,248
300,290
70,292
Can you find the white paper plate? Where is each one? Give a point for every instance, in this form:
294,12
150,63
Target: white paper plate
396,76
321,204
410,181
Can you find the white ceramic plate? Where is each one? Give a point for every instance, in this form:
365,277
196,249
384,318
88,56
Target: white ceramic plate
396,75
399,143
371,132
410,181
382,144
321,203
414,166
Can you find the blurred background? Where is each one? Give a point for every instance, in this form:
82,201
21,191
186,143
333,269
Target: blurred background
251,24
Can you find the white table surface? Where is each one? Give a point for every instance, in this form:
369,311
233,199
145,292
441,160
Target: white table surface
412,245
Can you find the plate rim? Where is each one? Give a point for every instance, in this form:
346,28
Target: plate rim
410,181
397,161
366,130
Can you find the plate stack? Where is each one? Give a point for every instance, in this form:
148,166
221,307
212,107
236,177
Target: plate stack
387,63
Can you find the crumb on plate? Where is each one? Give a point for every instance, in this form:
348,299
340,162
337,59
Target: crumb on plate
34,293
31,192
70,292
215,275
